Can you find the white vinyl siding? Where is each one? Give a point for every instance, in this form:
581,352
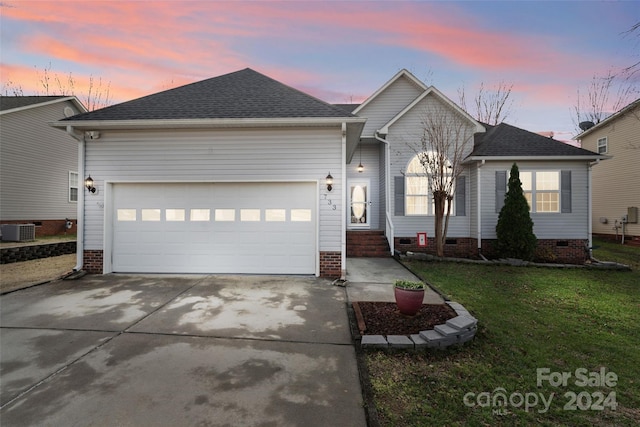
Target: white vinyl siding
546,225
388,104
232,155
405,130
35,160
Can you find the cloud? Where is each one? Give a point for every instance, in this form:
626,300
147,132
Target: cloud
145,46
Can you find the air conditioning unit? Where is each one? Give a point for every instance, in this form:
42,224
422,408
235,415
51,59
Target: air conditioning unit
18,232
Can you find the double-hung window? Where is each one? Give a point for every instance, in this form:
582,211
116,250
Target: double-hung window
418,197
73,186
602,145
542,190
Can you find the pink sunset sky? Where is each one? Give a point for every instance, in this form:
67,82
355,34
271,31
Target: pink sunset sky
338,51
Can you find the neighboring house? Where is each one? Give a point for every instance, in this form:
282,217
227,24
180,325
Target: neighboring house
39,180
616,182
242,174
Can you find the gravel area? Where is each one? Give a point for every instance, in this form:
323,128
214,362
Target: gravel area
22,274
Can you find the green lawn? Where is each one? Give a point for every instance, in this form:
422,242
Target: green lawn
576,321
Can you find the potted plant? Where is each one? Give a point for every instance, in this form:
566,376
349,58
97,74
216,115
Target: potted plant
409,296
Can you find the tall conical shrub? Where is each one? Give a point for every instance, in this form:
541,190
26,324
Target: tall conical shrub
515,227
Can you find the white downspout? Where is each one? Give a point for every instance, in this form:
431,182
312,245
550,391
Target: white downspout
479,207
590,214
80,213
387,195
343,221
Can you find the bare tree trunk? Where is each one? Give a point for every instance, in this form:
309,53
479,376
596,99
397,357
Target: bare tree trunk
439,199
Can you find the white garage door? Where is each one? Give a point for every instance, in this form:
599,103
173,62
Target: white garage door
215,228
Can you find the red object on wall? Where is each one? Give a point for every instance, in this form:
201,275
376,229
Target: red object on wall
421,238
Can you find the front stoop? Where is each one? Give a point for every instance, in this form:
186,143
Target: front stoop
455,331
367,244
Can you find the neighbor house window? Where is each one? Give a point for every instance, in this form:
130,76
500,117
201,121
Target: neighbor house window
542,190
602,145
73,186
418,197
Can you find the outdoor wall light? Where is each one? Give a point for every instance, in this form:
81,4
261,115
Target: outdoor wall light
360,167
89,184
329,182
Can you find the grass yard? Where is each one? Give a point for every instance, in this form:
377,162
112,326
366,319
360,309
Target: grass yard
580,323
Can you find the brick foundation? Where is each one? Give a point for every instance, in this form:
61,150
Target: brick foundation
458,247
562,251
92,260
49,227
331,264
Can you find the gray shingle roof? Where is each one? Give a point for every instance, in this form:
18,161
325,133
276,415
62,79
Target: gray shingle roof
509,141
243,94
347,107
11,102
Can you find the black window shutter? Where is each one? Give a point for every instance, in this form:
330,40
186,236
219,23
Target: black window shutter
565,191
461,196
501,189
398,200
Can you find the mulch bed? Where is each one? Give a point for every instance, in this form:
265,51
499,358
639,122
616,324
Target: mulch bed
383,318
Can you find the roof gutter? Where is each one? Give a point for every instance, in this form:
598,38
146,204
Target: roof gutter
593,157
589,207
80,137
207,123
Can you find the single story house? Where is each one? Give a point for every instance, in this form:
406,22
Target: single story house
38,164
243,174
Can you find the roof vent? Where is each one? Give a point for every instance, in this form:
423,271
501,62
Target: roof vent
586,125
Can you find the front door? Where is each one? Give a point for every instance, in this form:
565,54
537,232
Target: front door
359,204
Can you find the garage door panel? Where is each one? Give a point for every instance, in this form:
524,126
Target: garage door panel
215,228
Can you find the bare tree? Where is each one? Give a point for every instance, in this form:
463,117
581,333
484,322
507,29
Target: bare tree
610,93
445,139
492,105
630,71
603,96
11,88
97,94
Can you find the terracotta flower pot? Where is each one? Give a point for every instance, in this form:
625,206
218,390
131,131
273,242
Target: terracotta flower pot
409,301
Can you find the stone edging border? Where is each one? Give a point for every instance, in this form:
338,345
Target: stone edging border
593,264
455,331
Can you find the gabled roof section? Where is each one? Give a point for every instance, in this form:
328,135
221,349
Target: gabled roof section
611,118
11,104
433,92
504,141
401,74
244,94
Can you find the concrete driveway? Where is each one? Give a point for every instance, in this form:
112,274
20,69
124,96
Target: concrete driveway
187,350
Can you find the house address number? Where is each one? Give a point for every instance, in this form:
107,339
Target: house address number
330,202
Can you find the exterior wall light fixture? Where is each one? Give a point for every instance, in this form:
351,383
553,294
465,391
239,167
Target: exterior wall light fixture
89,184
329,182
